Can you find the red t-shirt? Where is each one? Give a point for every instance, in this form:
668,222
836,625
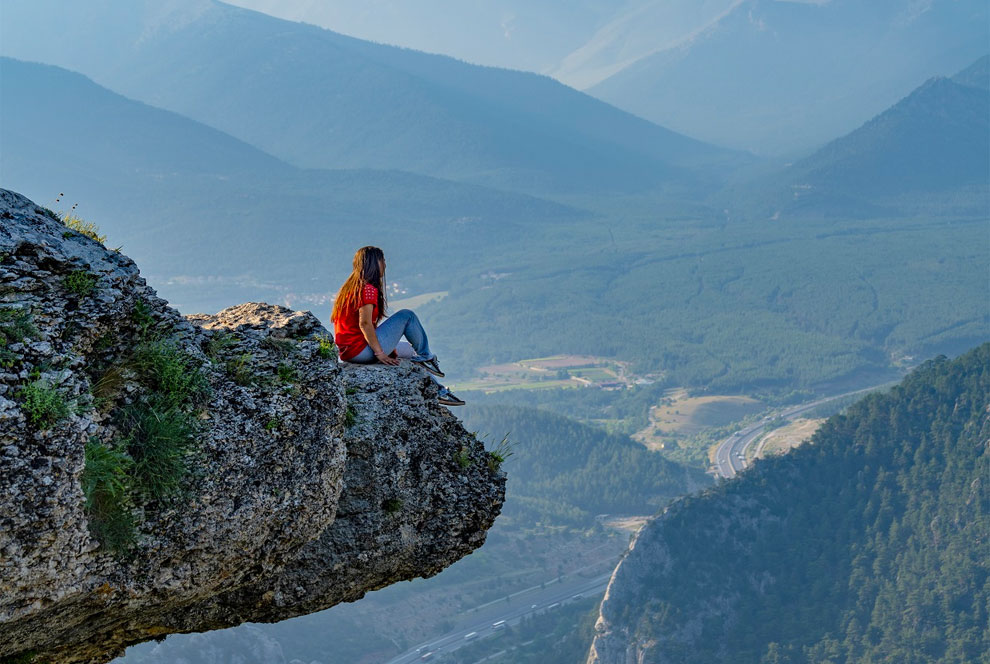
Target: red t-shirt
347,333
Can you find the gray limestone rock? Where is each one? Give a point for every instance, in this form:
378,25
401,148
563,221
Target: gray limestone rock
310,484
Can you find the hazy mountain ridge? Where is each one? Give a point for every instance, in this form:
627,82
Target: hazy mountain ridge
934,139
121,160
977,75
767,85
62,119
926,154
579,44
524,35
866,543
318,99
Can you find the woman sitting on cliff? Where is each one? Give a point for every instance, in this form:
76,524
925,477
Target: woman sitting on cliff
361,334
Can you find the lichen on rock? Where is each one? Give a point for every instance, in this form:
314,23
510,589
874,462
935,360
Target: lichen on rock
308,484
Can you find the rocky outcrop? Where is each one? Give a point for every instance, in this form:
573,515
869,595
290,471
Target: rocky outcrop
642,575
305,484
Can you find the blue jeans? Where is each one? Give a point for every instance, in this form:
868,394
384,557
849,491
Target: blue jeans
403,323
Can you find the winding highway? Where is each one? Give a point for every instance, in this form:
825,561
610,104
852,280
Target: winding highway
730,457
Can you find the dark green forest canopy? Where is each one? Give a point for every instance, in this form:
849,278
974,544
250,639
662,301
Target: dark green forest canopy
563,472
868,544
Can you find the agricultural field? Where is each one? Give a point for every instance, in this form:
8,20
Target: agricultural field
625,524
779,441
679,416
558,371
415,301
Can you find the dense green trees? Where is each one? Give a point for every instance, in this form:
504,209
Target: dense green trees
563,472
868,545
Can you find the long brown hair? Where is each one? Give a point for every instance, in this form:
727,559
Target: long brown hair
368,262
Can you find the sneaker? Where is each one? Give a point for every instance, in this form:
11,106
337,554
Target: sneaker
430,365
447,398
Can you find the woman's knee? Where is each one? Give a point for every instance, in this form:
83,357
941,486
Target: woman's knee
405,313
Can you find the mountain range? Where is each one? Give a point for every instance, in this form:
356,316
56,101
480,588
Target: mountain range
926,152
508,264
778,76
934,139
150,178
771,76
318,99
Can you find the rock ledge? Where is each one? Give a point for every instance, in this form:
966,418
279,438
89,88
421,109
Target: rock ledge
311,484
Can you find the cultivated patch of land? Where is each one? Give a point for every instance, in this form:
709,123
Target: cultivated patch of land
416,301
679,416
779,441
558,371
625,524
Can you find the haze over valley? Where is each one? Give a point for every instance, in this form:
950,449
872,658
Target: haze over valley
635,232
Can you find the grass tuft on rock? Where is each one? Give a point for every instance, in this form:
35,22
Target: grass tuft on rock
218,344
350,416
280,347
287,373
327,349
141,315
87,228
161,440
239,369
500,453
107,483
8,358
463,457
170,373
148,465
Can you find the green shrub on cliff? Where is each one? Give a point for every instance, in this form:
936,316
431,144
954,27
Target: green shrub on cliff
43,403
80,282
161,438
169,373
160,427
328,349
16,325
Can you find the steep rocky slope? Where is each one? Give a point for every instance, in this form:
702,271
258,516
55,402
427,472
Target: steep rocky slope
160,475
868,544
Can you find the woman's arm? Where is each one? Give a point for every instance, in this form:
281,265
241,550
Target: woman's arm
368,330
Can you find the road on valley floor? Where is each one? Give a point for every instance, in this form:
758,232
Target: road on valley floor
523,603
730,457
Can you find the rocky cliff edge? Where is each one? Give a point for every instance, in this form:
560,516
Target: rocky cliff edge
162,474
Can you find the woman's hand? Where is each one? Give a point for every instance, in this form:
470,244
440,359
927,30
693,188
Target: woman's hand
385,359
367,327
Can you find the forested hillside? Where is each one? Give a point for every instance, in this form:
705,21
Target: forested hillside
932,140
565,472
869,544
